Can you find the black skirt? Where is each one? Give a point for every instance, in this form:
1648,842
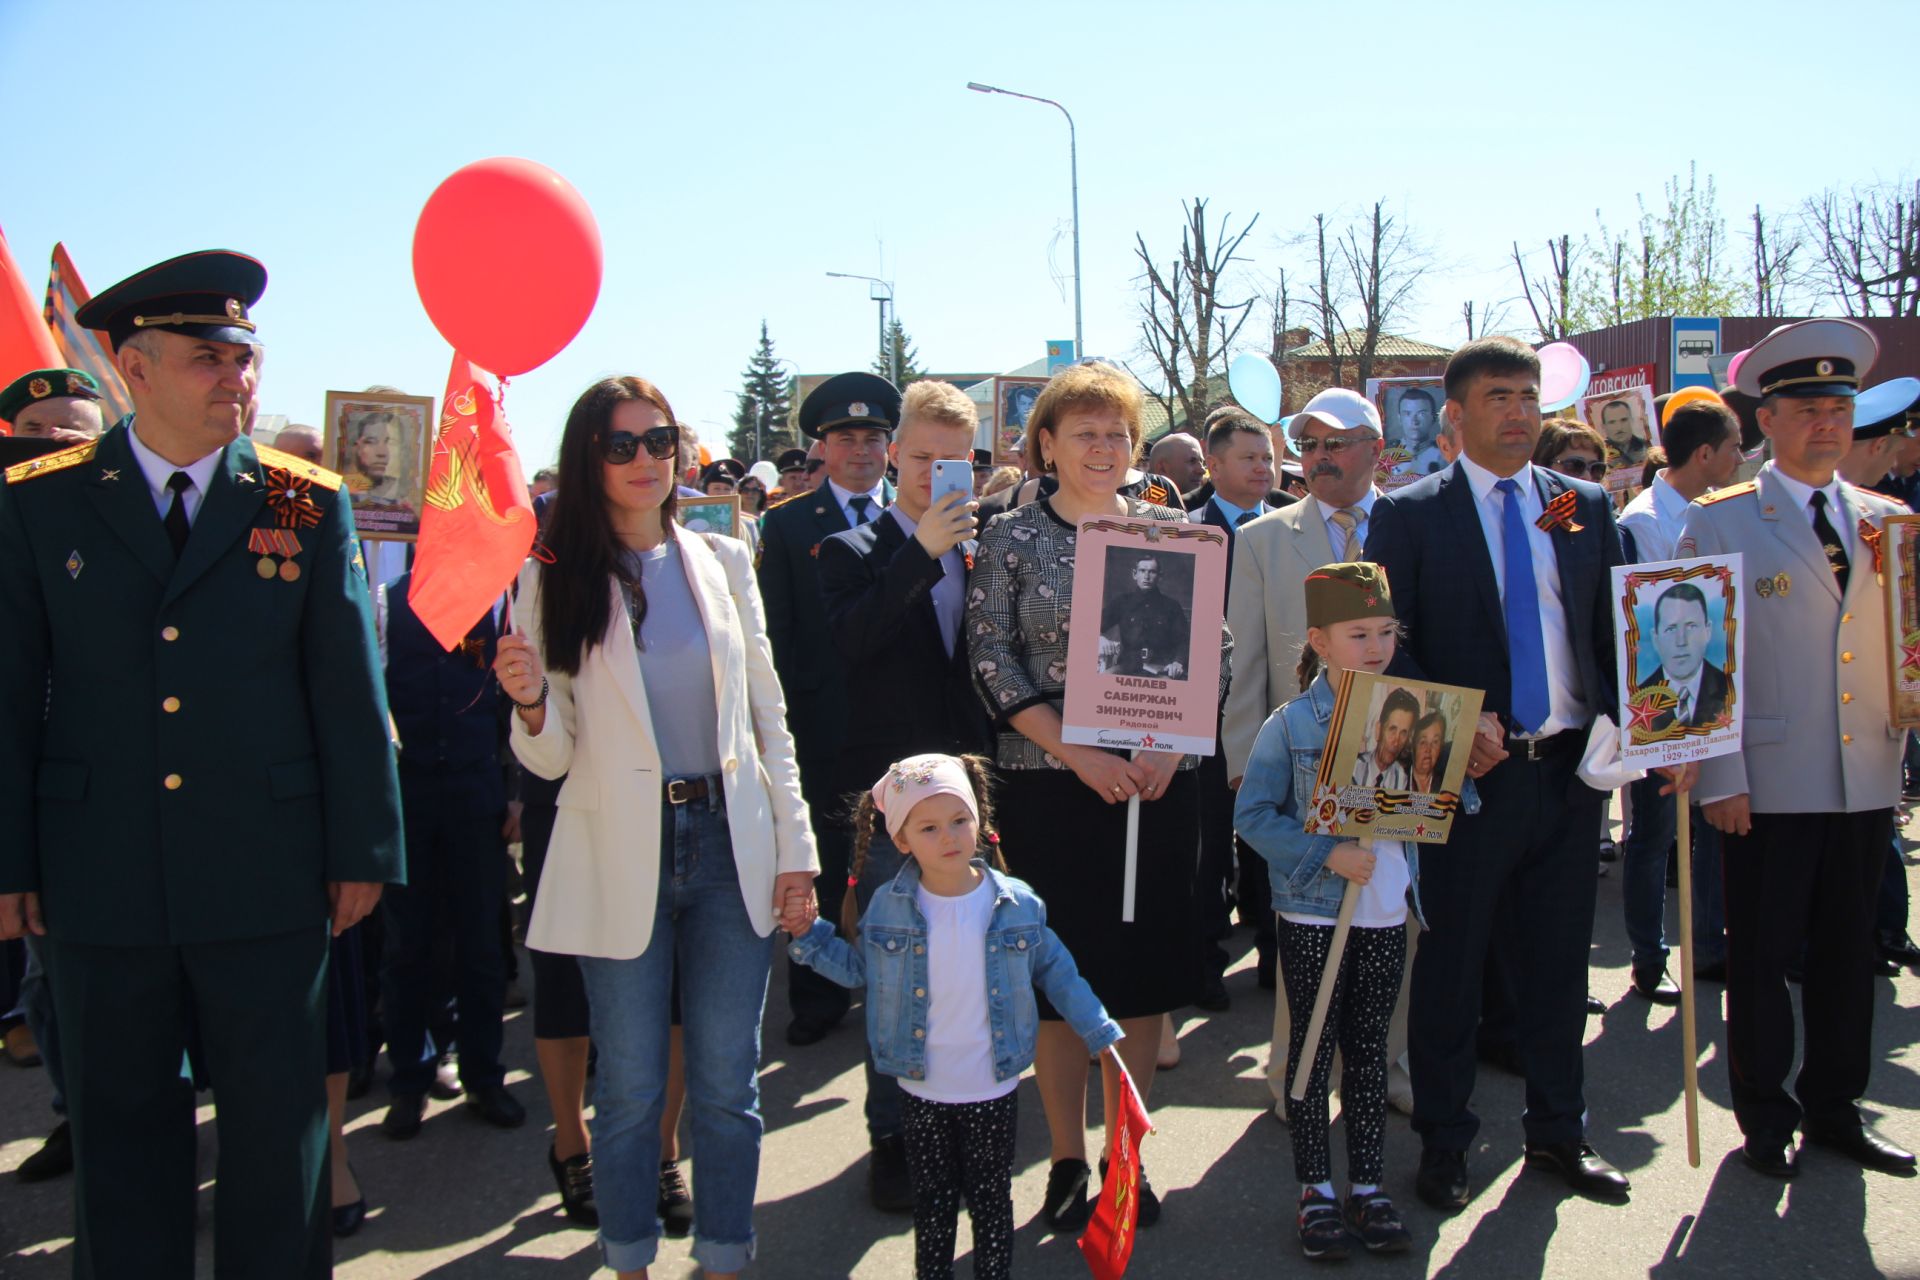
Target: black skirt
1071,846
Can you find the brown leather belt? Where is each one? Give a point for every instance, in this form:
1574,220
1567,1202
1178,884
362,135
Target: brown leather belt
687,790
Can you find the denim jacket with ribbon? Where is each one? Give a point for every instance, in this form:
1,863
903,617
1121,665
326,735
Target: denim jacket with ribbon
1276,789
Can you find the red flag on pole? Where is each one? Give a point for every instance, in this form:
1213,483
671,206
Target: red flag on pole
1108,1241
25,342
478,525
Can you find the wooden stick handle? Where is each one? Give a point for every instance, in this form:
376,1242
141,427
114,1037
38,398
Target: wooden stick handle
1688,1036
1317,1025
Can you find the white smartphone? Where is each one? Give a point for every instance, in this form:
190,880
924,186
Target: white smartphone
949,475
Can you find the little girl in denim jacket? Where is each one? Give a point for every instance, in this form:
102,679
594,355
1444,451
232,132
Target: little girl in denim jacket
949,953
1350,626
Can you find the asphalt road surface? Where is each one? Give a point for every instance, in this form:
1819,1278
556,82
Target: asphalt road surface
466,1202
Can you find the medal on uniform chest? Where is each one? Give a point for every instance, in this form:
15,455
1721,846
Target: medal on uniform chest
1782,584
1763,586
271,543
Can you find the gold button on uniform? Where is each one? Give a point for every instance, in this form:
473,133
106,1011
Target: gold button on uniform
171,704
1847,656
1845,698
169,633
1846,617
1846,739
173,781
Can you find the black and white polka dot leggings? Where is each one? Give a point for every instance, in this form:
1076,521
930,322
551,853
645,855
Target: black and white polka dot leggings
955,1149
1363,999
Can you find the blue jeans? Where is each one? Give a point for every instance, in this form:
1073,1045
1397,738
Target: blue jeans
1643,876
700,919
885,1098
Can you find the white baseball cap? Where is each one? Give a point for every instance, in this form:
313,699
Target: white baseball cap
1339,408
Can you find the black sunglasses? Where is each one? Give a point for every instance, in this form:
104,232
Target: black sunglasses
620,447
1580,468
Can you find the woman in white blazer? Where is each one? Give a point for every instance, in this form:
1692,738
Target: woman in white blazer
645,677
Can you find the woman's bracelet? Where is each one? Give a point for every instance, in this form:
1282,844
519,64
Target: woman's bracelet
537,703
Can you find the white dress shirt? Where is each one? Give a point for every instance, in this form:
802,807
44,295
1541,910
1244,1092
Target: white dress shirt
1655,517
1566,696
845,496
1335,534
1837,511
949,594
156,470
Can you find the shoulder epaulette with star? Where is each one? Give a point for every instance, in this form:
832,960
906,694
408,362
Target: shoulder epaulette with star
271,457
1731,491
47,463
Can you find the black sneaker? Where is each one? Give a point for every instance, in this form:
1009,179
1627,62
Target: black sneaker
675,1205
1149,1202
1323,1235
1376,1223
1066,1208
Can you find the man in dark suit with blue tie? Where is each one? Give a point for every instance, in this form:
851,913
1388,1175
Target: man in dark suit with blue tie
1239,487
1500,572
895,592
852,415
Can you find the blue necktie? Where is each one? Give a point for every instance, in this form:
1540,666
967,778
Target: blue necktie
1526,646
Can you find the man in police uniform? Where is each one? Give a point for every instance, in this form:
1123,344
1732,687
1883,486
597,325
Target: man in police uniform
852,416
59,404
195,777
1807,804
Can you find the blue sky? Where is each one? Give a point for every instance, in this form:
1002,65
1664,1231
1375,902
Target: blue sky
734,153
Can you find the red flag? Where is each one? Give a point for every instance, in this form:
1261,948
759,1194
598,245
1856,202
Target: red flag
25,343
1108,1241
478,524
82,349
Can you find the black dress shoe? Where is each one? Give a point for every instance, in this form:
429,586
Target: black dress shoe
1864,1145
1213,994
1899,948
1582,1168
574,1177
804,1031
889,1184
1442,1180
1149,1202
1775,1159
348,1218
1656,986
446,1082
404,1115
54,1158
1712,971
1609,851
1596,1008
499,1108
1885,966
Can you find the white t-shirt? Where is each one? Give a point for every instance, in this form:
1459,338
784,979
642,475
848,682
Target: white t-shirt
959,1037
1383,899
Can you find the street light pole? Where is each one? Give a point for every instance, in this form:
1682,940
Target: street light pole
1073,167
881,291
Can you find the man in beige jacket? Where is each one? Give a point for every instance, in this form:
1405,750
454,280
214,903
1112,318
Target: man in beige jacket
1338,439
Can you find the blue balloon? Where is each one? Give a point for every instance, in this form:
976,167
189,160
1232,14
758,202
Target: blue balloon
1255,385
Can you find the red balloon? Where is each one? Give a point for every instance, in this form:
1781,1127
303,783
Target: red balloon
507,260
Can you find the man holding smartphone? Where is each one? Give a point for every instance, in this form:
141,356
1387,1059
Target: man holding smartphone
896,591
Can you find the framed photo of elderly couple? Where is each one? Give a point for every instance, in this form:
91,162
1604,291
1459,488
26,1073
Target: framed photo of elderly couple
1679,637
1396,759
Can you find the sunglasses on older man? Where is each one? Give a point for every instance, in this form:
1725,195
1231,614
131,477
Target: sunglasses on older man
620,447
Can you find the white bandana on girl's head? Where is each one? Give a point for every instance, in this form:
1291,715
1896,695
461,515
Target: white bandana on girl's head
916,778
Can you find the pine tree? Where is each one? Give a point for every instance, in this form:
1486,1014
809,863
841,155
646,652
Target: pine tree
763,402
902,354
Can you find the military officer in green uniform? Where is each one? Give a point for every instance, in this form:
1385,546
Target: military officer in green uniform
1806,805
195,779
56,404
852,415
